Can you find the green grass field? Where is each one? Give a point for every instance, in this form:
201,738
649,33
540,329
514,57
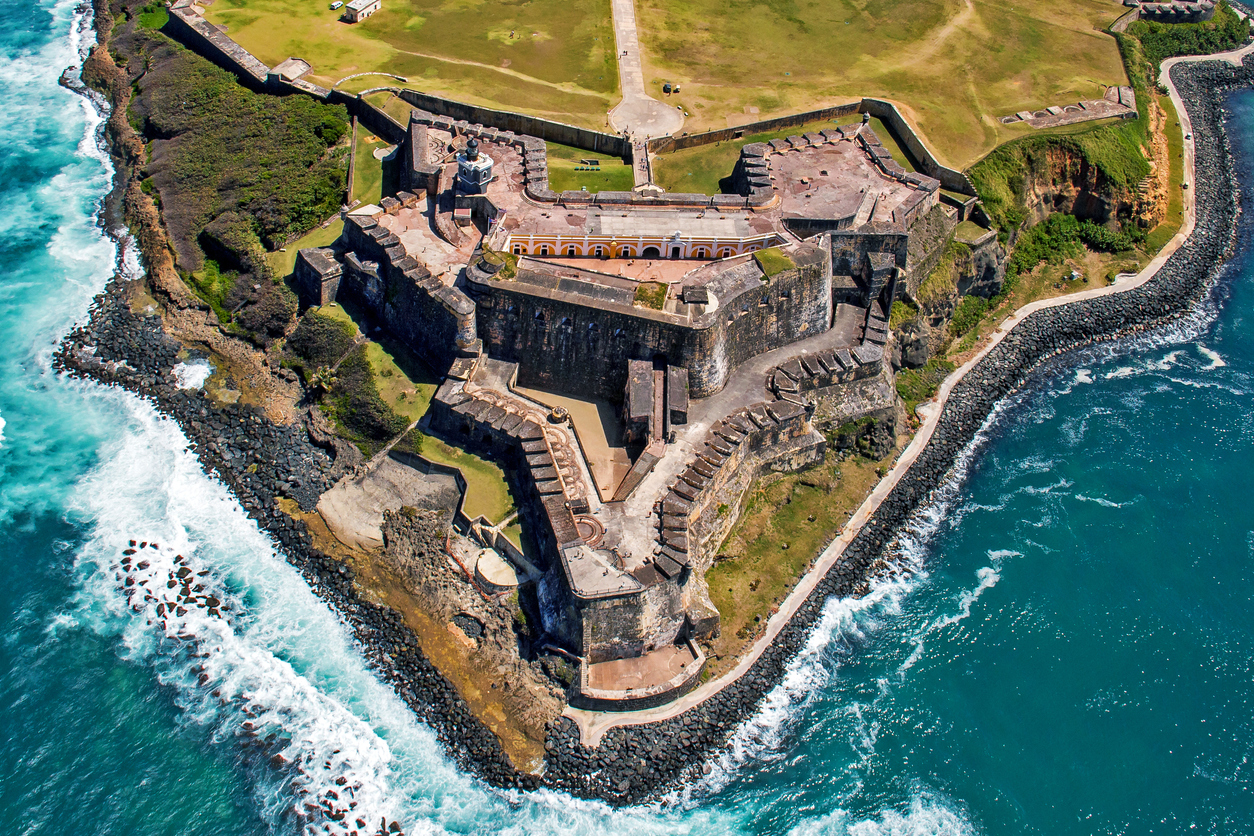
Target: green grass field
367,170
544,57
703,170
284,262
614,175
953,66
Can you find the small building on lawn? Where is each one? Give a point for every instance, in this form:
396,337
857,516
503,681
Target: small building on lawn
358,10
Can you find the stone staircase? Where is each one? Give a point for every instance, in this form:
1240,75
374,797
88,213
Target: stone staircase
876,331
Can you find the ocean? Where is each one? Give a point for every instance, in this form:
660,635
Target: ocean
1067,649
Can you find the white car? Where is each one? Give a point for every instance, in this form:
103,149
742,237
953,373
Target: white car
337,5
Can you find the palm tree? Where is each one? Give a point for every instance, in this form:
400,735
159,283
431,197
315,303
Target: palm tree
322,379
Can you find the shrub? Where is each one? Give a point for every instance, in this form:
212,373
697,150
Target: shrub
355,404
319,340
917,385
967,315
901,313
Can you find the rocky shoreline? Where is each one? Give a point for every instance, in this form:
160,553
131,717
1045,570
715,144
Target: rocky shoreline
261,461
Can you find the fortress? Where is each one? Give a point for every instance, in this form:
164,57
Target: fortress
735,331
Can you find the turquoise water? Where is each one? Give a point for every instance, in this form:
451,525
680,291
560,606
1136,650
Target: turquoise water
1069,651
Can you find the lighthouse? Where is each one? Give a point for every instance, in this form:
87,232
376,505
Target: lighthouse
474,170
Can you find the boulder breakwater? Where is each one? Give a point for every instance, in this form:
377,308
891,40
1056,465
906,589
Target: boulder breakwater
261,461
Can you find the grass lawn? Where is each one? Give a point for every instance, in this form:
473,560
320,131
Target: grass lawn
408,393
367,170
707,169
284,262
772,544
487,492
969,232
953,66
614,175
547,58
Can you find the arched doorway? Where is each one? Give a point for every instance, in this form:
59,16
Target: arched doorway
651,252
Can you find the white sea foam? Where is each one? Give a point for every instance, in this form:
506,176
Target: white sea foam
987,577
1216,362
927,815
1102,501
192,375
1,430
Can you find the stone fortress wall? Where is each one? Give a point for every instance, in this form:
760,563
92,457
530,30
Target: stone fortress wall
567,339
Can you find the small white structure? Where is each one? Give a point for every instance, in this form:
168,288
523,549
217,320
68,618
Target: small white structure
474,170
358,10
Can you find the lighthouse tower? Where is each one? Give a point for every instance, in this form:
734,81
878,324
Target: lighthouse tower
474,170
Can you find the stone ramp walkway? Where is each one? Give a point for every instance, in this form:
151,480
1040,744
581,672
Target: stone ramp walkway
639,115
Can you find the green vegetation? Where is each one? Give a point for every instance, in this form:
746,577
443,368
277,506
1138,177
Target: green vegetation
218,148
405,384
1166,40
1116,151
1001,178
212,286
367,170
508,262
651,295
968,232
918,385
354,403
785,523
487,492
412,442
567,171
959,66
550,59
967,315
1062,236
283,262
320,339
152,16
773,261
942,282
707,169
901,313
1158,237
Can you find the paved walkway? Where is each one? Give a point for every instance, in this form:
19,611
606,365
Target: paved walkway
594,725
639,114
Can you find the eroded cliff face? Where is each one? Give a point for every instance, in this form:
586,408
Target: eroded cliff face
1062,180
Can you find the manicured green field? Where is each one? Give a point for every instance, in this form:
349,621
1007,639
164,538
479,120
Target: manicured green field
567,172
285,262
953,66
367,169
548,57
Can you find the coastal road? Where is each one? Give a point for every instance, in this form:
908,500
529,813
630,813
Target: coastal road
639,115
593,725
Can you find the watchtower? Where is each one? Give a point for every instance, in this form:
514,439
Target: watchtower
474,170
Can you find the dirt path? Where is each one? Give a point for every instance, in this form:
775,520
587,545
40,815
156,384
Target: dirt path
565,88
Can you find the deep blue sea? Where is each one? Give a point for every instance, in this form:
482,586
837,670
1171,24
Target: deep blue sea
1069,652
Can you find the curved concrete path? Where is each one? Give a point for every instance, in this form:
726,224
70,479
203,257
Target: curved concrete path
639,115
593,725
